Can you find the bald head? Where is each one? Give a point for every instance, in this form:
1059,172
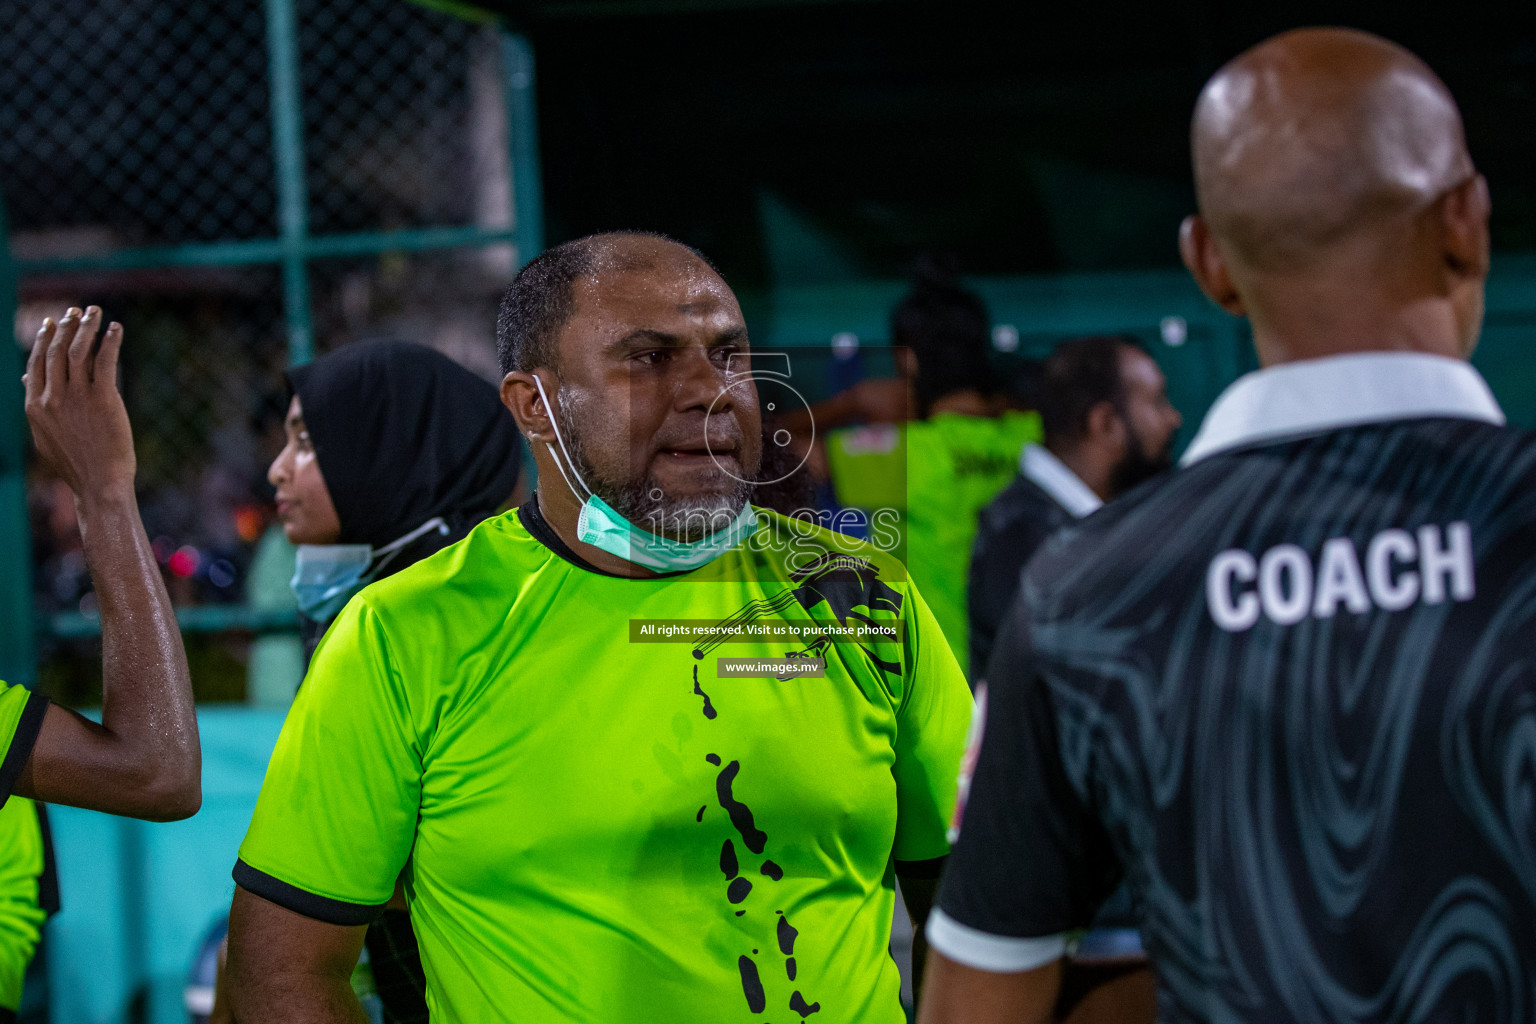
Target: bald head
1319,137
542,297
1339,210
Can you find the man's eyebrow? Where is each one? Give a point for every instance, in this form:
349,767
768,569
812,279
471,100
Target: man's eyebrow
643,337
650,337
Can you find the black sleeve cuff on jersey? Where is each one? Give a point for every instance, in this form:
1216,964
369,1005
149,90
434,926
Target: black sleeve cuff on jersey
920,869
48,882
22,742
7,1016
302,901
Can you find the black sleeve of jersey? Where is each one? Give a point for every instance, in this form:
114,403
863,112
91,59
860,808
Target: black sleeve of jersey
22,742
1032,860
48,882
302,901
1001,551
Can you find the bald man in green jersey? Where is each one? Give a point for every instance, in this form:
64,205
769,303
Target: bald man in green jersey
593,827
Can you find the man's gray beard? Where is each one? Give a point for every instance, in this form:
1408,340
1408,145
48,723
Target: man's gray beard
644,504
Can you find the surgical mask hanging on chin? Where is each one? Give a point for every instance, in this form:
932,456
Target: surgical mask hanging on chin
325,576
602,527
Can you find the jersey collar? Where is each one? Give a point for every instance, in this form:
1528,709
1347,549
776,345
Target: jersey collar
1314,396
1061,484
532,518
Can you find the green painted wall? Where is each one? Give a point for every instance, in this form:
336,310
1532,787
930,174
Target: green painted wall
1046,309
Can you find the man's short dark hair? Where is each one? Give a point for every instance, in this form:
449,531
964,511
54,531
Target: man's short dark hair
1078,375
949,331
541,299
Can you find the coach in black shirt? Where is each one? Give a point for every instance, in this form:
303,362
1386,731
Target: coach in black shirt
1288,693
1108,426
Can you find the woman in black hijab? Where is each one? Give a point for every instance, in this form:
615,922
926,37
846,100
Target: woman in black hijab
394,452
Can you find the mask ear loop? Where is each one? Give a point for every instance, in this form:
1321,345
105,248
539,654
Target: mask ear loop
553,422
394,547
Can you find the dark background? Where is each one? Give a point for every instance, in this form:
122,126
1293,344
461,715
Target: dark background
819,142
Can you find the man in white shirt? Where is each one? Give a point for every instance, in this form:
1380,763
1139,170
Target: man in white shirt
1108,426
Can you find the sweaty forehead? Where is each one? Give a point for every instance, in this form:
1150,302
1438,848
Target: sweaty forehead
672,292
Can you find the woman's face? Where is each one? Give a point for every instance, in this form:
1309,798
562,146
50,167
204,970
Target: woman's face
303,503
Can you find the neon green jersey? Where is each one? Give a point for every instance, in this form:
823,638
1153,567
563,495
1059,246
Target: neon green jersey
937,474
21,719
601,829
21,842
21,909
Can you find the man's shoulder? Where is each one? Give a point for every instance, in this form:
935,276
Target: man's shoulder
1023,503
497,554
1403,471
869,439
790,544
972,445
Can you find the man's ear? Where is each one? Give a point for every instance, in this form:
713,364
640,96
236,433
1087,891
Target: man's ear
1105,425
1207,266
1464,212
521,396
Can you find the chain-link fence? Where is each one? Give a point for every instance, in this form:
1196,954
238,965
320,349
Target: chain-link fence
243,184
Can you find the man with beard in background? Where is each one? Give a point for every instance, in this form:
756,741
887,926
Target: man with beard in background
1108,426
595,824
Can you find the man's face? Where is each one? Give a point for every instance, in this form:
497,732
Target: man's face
1150,421
644,404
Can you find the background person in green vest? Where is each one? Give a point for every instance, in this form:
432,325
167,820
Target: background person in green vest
924,481
29,892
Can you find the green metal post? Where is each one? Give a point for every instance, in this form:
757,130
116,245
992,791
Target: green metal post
523,139
18,652
292,194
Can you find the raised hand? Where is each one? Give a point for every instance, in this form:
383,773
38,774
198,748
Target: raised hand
143,759
78,419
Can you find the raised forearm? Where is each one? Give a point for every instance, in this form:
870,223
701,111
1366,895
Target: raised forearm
146,687
143,758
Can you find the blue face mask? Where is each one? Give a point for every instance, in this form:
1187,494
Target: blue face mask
602,527
325,576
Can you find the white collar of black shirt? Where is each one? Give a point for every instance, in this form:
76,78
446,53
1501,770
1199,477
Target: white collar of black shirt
1056,480
1314,396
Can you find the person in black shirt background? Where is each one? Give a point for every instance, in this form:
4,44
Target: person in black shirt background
1287,691
1108,426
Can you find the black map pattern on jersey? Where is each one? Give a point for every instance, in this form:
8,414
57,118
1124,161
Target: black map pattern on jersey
844,584
1328,813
